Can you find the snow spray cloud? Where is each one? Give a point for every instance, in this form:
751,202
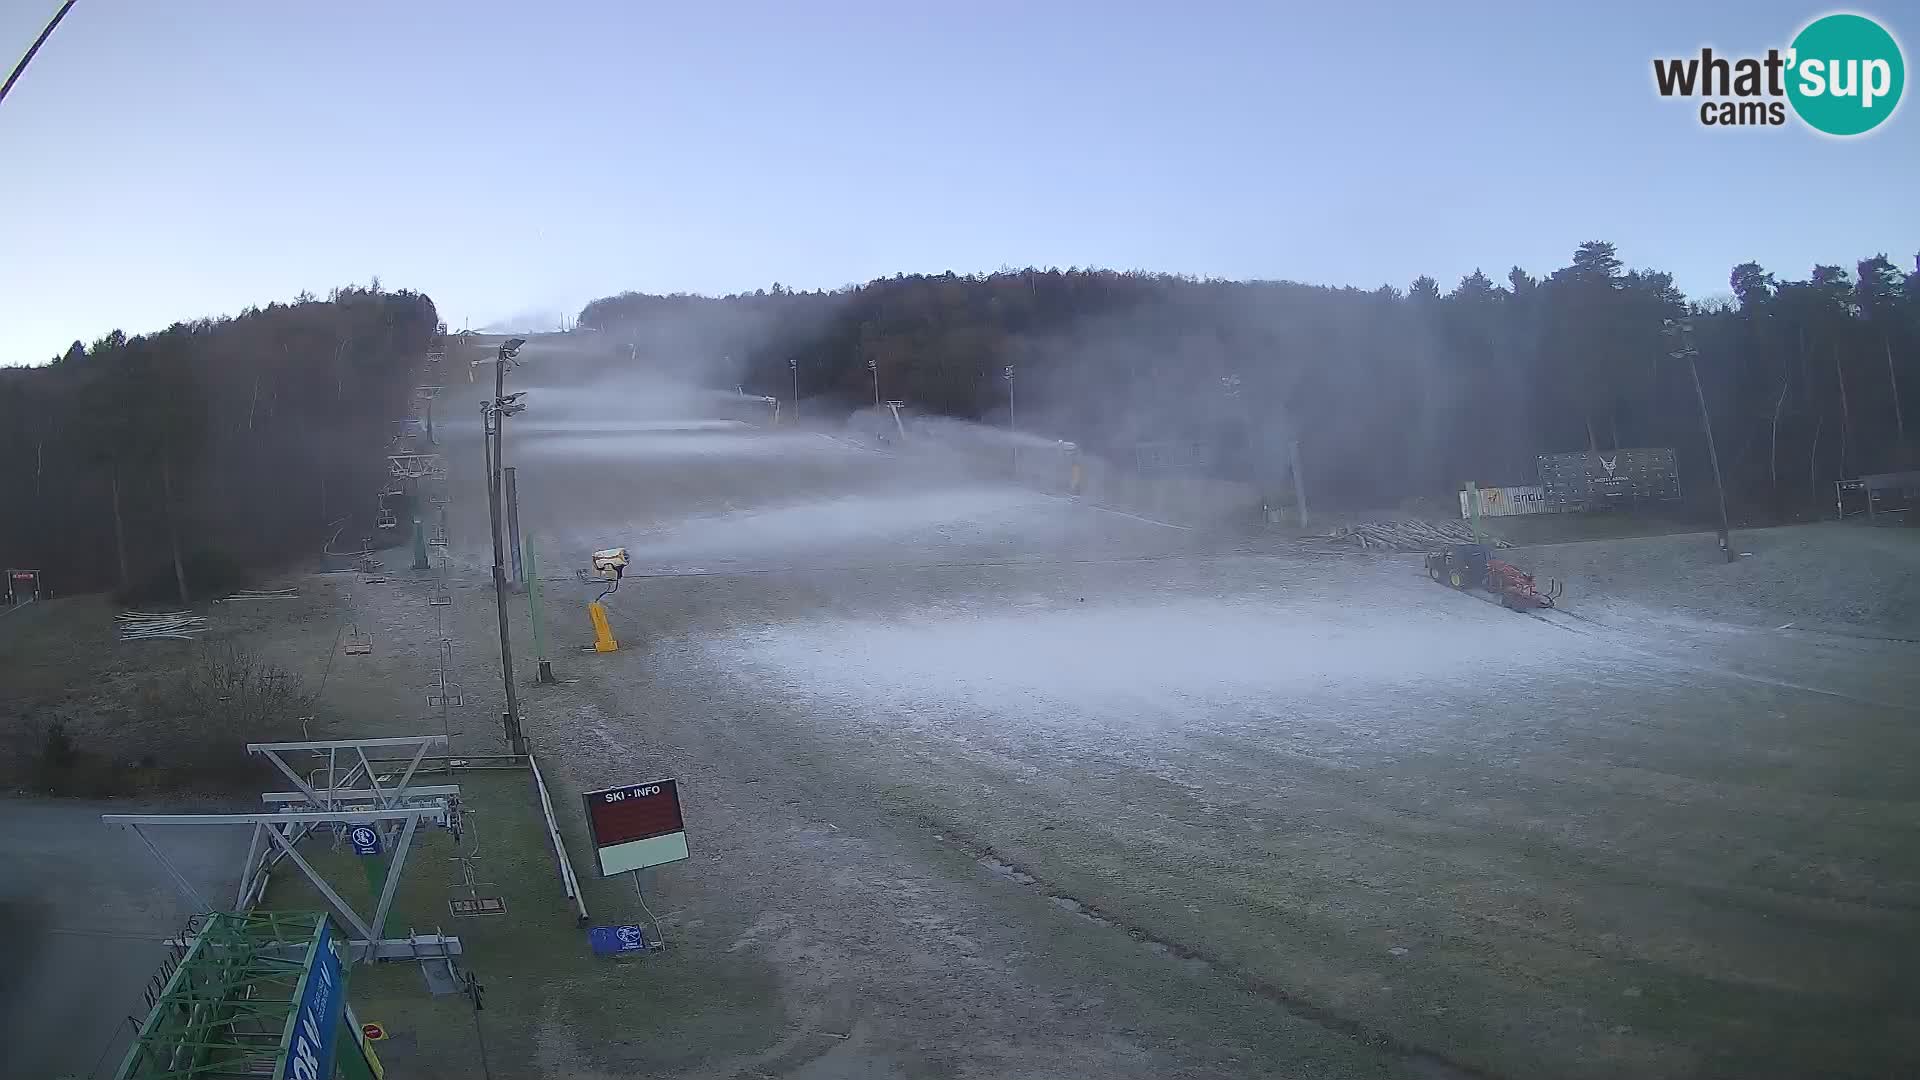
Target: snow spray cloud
722,342
1221,378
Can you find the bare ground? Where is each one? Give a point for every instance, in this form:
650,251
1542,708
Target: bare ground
1846,578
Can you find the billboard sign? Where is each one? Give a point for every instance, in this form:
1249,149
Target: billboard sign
1507,502
1600,481
636,826
22,586
1879,493
314,1023
1175,456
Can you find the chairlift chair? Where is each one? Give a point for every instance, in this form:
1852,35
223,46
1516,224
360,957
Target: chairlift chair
440,596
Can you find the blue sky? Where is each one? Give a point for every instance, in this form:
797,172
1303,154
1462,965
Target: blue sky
165,161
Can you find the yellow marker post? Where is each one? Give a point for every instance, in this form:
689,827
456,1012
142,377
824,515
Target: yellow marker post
602,631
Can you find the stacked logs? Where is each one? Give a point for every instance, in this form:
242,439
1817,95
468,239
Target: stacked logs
153,625
259,594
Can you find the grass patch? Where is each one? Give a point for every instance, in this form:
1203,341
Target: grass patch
184,728
550,1004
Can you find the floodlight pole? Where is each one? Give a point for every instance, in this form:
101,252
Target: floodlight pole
1682,331
545,670
493,417
1013,428
511,496
1713,456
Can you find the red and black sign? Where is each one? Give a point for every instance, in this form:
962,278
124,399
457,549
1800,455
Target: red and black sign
21,586
635,812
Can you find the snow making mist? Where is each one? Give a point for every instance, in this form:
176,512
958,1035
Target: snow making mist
1130,665
617,400
842,530
718,442
1131,385
668,470
963,435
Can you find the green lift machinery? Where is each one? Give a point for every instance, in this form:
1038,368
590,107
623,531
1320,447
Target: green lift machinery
256,994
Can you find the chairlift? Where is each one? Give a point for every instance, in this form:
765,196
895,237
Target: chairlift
385,516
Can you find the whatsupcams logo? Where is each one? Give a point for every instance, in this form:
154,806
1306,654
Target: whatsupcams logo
1842,75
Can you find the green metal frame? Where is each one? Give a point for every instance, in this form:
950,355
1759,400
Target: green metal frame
228,1008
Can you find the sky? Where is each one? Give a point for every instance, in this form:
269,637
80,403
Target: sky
169,161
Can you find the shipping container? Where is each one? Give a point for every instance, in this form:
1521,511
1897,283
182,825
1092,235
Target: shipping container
1507,502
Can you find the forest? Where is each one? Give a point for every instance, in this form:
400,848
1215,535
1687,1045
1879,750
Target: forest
173,464
1391,393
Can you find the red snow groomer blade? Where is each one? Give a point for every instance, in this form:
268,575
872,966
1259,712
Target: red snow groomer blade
1516,587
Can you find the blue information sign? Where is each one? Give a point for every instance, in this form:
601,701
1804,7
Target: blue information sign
610,940
310,1050
365,839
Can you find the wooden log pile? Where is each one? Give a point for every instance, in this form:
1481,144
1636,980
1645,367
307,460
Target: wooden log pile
1410,535
153,625
259,594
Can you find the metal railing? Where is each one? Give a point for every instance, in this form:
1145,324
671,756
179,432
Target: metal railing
569,881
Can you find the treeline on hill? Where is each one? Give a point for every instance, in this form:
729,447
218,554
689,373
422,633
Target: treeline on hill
1390,393
181,460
